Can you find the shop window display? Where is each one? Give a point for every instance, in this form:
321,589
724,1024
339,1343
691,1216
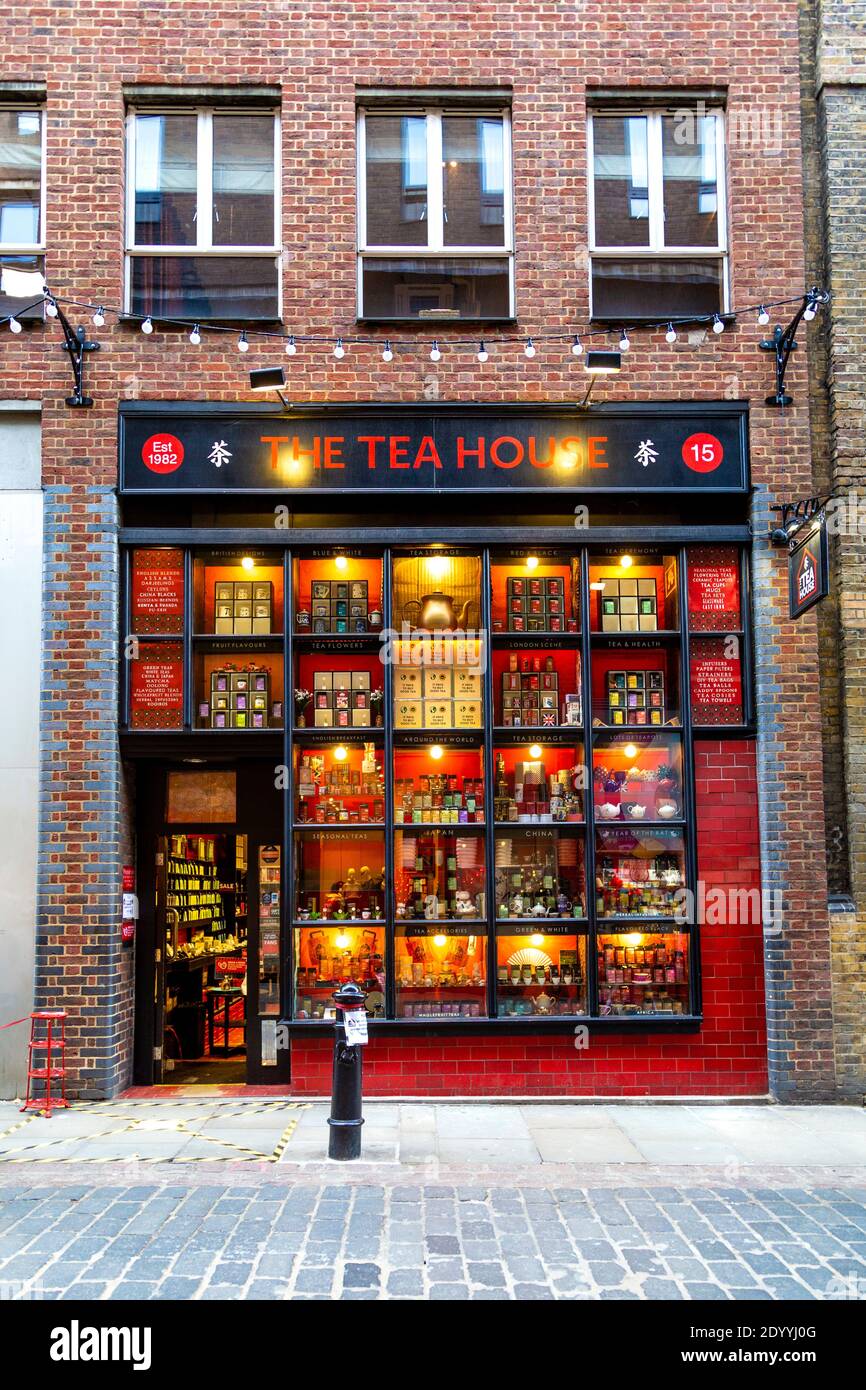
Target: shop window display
535,594
439,876
643,973
441,971
539,873
339,875
439,784
639,873
338,595
634,592
344,694
335,954
540,972
238,595
339,784
538,782
638,777
437,592
236,690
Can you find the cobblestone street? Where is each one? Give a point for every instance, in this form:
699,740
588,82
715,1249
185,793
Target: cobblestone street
218,1226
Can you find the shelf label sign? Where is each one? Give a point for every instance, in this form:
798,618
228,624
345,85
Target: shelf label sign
157,591
808,570
716,680
156,686
452,448
714,589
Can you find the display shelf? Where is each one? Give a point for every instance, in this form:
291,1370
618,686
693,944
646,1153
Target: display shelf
511,641
330,825
338,922
439,825
636,639
558,923
511,734
337,641
317,734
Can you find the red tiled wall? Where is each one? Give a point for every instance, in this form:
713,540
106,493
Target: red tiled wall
727,1057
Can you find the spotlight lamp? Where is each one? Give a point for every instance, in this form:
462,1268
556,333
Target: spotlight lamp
270,379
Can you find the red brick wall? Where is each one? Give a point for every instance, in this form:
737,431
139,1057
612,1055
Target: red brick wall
727,1057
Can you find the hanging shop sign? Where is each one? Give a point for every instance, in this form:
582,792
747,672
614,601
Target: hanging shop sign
808,569
677,448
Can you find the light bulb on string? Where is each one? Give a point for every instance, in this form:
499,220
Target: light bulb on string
291,349
483,354
624,342
577,345
671,335
147,326
435,353
763,317
529,350
339,350
195,335
718,324
387,352
51,309
98,318
243,344
14,325
811,310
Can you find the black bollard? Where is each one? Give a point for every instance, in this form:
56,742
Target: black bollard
344,1140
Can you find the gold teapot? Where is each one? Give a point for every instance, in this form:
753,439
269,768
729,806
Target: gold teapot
435,611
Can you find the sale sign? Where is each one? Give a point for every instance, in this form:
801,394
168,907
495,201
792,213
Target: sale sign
714,589
716,680
157,591
156,686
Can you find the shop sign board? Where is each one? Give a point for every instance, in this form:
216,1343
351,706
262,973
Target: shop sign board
808,569
675,448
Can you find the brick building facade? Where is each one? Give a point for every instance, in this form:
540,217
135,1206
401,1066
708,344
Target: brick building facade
767,1003
834,111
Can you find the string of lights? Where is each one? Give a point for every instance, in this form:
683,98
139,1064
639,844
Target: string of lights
809,302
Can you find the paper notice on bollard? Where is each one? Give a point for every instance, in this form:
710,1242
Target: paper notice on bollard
355,1024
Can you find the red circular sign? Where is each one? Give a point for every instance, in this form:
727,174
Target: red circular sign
162,453
702,453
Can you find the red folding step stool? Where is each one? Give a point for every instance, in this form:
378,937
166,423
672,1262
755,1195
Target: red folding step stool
44,1039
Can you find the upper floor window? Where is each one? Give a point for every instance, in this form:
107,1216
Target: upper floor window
203,214
435,215
657,213
22,194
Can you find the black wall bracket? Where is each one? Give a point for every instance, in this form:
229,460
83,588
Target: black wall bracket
783,343
76,343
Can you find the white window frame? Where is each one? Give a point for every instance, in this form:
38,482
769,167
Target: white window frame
436,248
34,248
656,249
203,246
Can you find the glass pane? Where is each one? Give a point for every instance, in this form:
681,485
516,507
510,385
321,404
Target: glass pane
20,177
439,783
440,972
18,307
238,598
538,782
656,288
536,593
434,288
540,972
635,591
234,692
333,955
156,686
536,688
165,180
156,601
690,181
473,159
439,876
438,592
396,162
340,594
621,180
539,874
205,287
638,777
639,873
714,589
339,784
339,875
643,973
243,180
269,925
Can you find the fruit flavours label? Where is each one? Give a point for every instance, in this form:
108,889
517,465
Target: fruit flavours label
714,589
157,591
156,687
716,681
